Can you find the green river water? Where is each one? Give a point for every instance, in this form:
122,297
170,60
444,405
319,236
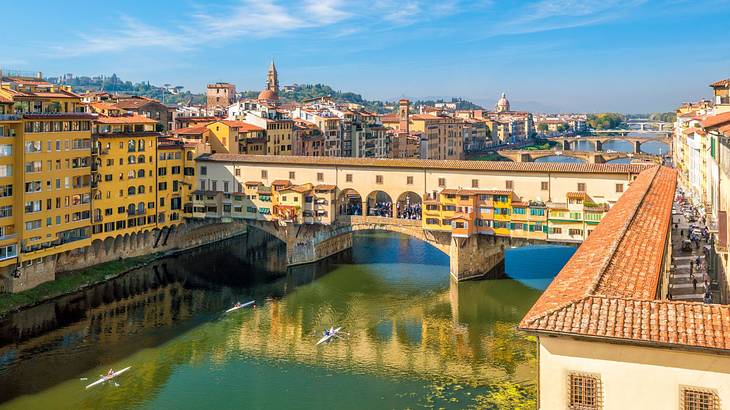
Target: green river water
414,339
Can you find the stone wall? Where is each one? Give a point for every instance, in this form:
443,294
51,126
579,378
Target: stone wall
477,256
188,235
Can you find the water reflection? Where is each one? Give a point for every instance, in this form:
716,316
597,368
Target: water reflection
408,327
561,158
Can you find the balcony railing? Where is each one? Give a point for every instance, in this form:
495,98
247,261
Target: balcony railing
9,117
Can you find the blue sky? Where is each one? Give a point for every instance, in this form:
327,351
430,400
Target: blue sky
548,55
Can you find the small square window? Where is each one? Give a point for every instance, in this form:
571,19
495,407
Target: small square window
292,175
348,177
409,180
378,179
320,176
475,183
694,398
544,186
264,174
442,182
585,392
238,172
619,188
508,185
581,186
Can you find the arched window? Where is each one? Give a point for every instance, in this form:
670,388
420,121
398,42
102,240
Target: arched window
97,195
140,189
131,159
140,159
130,175
140,145
189,155
140,208
131,190
131,145
140,173
130,209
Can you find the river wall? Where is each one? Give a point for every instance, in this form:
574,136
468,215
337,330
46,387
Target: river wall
184,236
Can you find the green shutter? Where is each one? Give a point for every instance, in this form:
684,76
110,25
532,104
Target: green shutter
712,147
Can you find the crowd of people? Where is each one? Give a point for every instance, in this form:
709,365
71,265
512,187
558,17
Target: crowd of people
351,208
384,209
408,211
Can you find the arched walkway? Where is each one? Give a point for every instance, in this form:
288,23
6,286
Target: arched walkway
379,203
349,202
408,206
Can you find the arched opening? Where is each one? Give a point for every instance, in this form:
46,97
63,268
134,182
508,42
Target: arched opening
379,203
140,173
131,190
350,202
140,159
189,155
130,174
408,206
131,159
140,189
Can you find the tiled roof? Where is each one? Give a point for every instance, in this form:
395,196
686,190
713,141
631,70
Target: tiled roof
324,187
715,120
241,125
200,129
126,119
497,166
721,83
476,191
281,182
608,289
692,130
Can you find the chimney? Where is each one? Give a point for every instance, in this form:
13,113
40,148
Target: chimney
403,115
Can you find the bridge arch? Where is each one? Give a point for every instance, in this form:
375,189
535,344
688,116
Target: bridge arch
349,202
408,206
379,203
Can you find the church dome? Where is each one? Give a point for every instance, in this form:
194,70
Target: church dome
268,95
503,103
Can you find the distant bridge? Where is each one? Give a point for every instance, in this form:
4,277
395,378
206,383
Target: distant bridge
569,143
585,156
647,125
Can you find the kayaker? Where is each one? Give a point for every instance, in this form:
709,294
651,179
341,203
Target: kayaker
110,373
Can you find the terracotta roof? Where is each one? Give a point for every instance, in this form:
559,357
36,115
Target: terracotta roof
299,188
281,182
200,129
497,166
692,130
252,183
324,187
126,119
241,125
725,130
715,120
608,288
721,83
476,191
135,102
576,195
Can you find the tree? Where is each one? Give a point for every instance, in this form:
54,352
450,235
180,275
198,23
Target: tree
605,121
542,127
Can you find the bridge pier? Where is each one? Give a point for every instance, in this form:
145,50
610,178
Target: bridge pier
566,145
476,256
599,146
637,147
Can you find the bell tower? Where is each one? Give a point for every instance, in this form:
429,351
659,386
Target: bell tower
403,115
272,78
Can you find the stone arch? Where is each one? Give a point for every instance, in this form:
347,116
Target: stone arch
118,243
96,247
133,241
623,141
408,205
108,245
379,203
350,202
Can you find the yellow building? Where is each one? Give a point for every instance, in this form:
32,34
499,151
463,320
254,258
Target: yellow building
175,180
233,137
45,203
124,175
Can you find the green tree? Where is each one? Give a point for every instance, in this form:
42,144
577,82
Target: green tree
606,121
542,127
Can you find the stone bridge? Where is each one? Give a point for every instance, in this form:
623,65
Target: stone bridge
586,156
472,257
568,143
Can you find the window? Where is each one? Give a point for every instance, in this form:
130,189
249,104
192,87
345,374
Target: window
585,392
544,185
699,399
378,179
475,183
6,211
348,177
238,172
31,225
203,170
264,174
442,182
619,188
320,176
508,185
292,175
575,232
557,230
581,186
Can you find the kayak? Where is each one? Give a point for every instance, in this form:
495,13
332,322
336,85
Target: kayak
109,377
240,307
333,333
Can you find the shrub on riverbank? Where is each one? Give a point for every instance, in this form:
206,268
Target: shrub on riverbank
69,282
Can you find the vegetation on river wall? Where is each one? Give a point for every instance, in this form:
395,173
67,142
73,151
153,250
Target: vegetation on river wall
70,282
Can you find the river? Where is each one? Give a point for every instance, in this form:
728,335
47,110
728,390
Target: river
617,145
413,338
